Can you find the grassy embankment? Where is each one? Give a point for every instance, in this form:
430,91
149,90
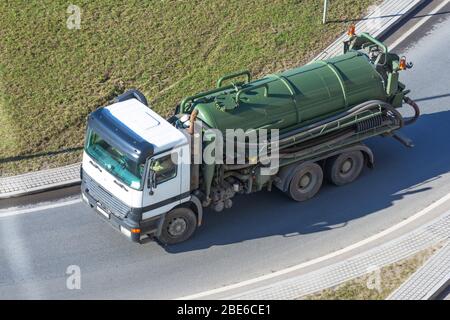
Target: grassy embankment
52,77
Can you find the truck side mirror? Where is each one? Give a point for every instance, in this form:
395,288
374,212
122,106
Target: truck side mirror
151,180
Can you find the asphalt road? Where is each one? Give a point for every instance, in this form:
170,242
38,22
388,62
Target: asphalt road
263,232
445,295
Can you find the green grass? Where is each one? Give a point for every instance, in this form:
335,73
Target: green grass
51,78
391,277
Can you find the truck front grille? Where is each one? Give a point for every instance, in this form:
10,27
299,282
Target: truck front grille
105,199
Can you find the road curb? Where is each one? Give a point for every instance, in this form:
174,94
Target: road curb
417,5
39,181
435,232
389,14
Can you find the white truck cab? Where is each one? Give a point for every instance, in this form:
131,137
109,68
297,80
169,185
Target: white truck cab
136,169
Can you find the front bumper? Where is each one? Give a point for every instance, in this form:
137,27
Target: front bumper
147,228
114,221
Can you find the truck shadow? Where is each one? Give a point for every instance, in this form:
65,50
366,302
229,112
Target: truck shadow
398,172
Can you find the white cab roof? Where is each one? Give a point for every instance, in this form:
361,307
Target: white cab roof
147,124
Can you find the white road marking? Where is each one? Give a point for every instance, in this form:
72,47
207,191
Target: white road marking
419,24
8,213
356,245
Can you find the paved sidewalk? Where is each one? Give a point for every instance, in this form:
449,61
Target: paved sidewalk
427,282
39,181
377,23
387,14
437,231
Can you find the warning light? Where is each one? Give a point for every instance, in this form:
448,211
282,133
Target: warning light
351,30
402,65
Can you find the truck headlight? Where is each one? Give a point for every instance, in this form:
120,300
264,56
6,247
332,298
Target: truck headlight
85,199
125,231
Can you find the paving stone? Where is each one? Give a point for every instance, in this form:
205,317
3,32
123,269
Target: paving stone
428,280
39,181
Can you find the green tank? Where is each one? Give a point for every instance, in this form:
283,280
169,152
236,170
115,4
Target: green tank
323,110
293,98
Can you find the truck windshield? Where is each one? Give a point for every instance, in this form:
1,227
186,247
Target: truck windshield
127,170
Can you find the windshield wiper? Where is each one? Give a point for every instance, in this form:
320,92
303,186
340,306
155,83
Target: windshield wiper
120,185
95,166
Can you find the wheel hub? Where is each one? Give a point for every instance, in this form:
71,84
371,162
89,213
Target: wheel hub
305,181
177,227
346,166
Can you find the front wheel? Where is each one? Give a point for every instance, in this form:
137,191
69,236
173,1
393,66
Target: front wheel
179,225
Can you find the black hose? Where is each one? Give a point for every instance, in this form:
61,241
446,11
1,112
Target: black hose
348,113
237,166
414,105
308,150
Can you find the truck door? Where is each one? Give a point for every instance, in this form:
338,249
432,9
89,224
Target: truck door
163,183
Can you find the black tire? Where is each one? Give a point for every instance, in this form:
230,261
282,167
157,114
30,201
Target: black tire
344,168
305,182
179,225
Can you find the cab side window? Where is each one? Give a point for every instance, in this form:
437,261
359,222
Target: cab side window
165,168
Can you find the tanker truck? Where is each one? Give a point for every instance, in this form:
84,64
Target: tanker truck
138,170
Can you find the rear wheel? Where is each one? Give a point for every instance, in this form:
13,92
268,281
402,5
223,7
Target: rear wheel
344,168
305,182
179,225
